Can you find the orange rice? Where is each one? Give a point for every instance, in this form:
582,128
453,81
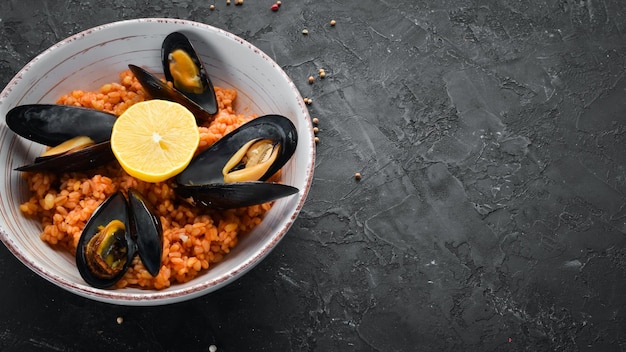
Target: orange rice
193,238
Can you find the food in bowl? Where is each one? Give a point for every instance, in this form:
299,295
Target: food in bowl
89,60
195,233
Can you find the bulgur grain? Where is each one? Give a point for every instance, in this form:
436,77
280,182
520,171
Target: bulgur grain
193,239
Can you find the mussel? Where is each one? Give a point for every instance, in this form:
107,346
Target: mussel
115,233
182,67
231,173
80,136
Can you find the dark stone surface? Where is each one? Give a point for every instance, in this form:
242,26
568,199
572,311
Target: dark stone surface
491,213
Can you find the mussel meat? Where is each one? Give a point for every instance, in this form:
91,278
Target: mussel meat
115,233
182,67
231,173
80,136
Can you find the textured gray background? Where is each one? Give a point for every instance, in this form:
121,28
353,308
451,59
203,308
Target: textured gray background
491,214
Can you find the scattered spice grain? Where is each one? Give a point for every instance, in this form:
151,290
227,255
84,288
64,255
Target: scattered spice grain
333,22
315,130
238,2
279,3
322,73
212,7
212,348
227,2
357,176
316,120
275,7
317,140
305,31
311,79
119,320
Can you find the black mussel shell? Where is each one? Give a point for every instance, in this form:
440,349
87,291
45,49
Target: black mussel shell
158,89
81,160
51,124
174,41
206,167
114,208
148,231
234,195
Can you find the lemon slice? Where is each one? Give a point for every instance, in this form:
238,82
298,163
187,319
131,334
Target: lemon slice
155,139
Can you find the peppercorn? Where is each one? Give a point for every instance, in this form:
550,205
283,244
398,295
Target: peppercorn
315,130
305,31
317,140
238,2
357,176
316,120
333,22
212,7
278,3
227,2
311,79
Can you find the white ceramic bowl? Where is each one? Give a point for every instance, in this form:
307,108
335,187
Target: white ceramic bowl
96,56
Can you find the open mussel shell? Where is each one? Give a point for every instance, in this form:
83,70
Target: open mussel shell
81,160
119,249
146,226
158,89
51,124
115,233
206,167
204,95
202,182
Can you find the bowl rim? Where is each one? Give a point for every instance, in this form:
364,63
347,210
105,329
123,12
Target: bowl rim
156,297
